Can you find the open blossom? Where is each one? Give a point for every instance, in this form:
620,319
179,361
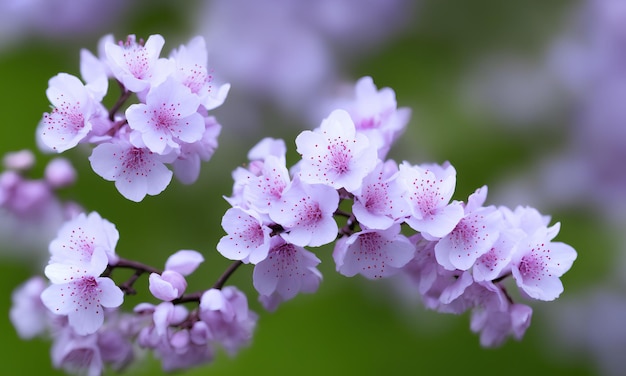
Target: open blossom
287,270
472,237
78,239
306,213
247,238
539,262
137,65
168,119
265,190
375,114
373,253
136,171
75,111
191,70
335,154
374,202
427,191
79,293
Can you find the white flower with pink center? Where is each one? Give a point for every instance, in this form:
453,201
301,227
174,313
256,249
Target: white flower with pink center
264,190
137,172
472,237
137,65
374,202
79,237
306,213
80,294
73,116
427,189
538,263
286,271
375,114
497,261
247,237
168,119
335,154
191,70
373,253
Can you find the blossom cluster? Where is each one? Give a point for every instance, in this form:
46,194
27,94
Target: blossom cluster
400,218
170,124
382,217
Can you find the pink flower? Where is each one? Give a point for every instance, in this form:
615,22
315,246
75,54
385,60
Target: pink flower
28,314
306,213
171,283
168,119
137,172
472,237
373,253
79,237
247,237
75,111
78,293
191,70
427,191
335,154
374,202
137,65
265,190
539,262
287,270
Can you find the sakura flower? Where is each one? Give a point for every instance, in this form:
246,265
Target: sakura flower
168,119
78,239
374,202
496,262
75,111
375,114
306,213
78,293
287,270
191,70
496,325
335,154
373,253
137,65
136,171
228,317
247,237
76,353
427,191
184,261
472,236
539,262
266,189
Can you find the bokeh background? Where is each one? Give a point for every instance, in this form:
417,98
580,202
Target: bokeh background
510,92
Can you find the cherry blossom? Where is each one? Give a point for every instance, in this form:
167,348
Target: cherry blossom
191,69
264,190
80,294
168,118
472,237
335,154
78,239
539,262
375,114
374,202
187,164
75,111
427,191
247,237
137,65
306,213
136,171
286,271
373,253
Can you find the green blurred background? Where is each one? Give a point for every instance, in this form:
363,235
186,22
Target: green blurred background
351,326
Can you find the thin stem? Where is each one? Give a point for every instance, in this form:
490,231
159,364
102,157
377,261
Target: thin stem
227,273
120,101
